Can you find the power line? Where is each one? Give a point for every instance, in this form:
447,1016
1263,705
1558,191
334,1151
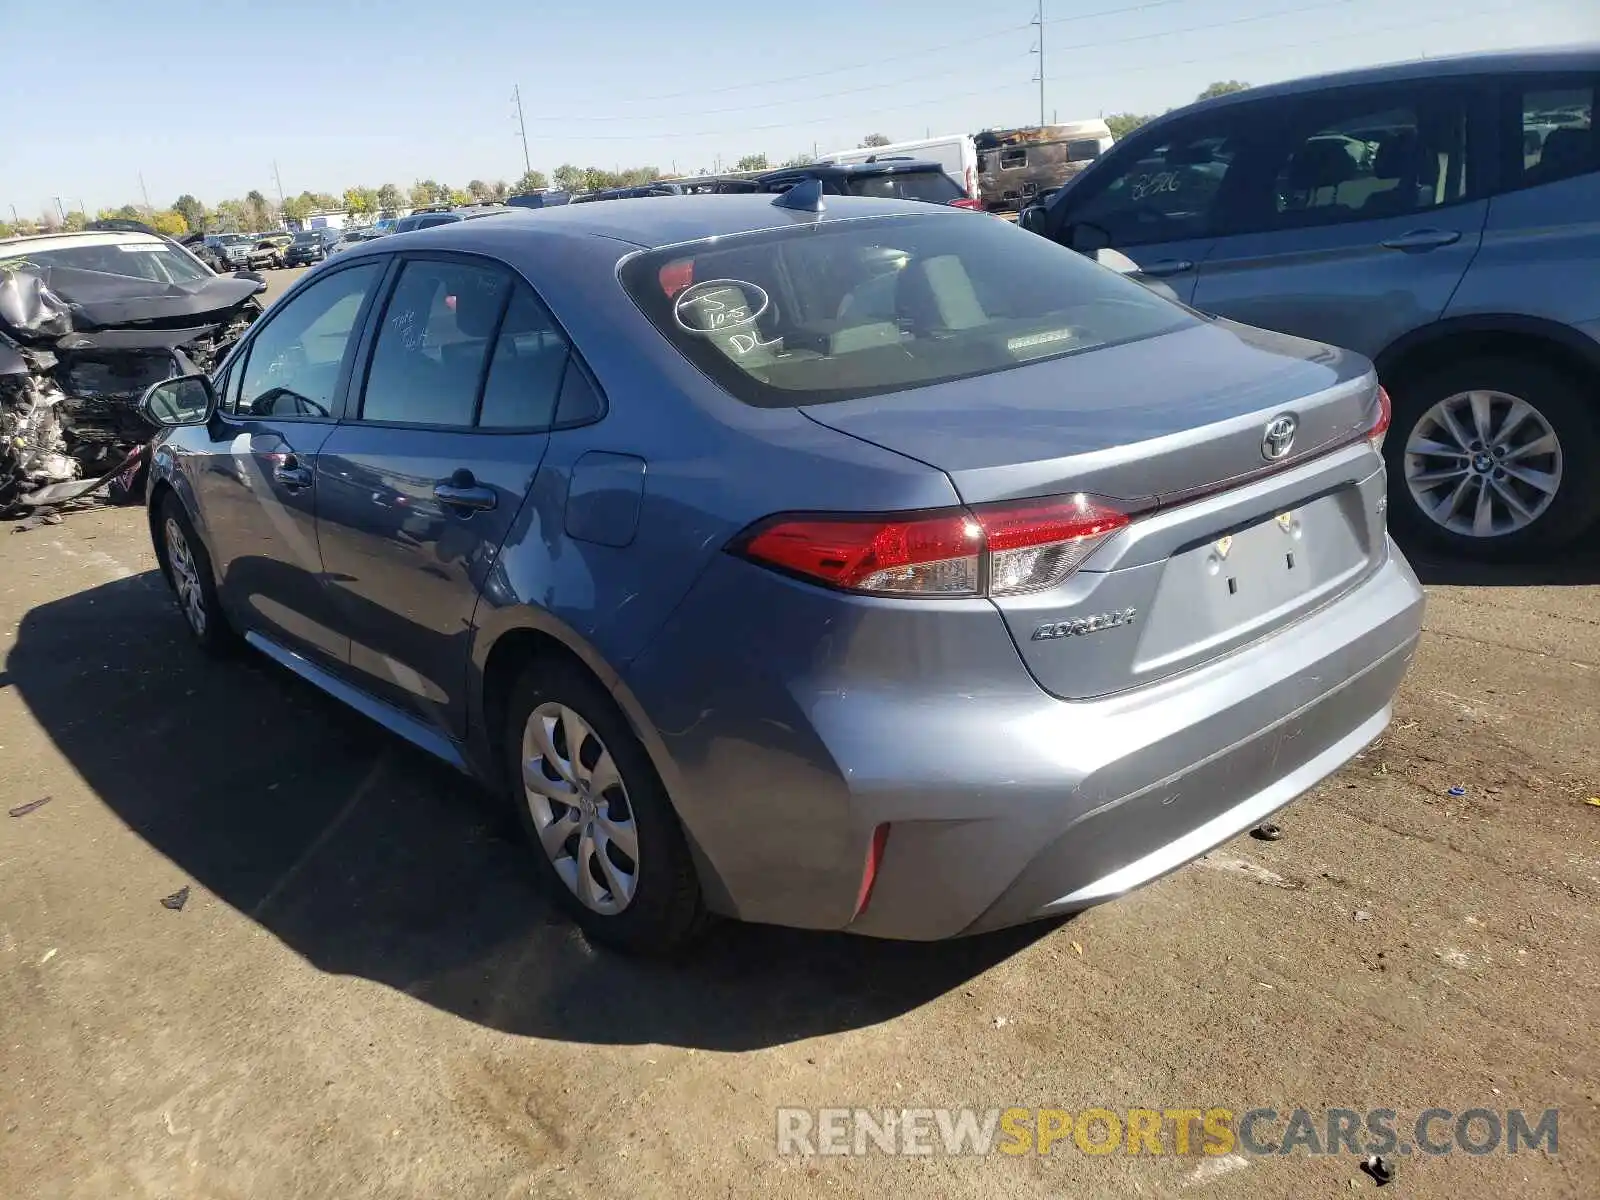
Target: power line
884,85
960,43
789,102
1006,89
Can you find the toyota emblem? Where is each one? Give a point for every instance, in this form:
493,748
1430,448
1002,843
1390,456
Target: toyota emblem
1278,437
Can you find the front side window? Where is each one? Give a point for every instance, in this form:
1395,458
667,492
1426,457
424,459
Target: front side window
293,363
432,346
1556,132
873,306
1167,193
1358,160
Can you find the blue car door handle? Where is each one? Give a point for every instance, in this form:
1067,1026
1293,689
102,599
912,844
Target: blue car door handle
1166,266
462,490
288,472
1422,239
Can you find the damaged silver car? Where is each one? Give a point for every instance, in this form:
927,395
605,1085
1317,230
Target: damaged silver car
88,321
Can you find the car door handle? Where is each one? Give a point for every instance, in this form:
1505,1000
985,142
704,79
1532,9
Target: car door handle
1422,239
463,491
288,472
1166,266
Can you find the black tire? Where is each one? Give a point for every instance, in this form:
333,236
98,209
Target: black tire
1559,399
666,912
213,635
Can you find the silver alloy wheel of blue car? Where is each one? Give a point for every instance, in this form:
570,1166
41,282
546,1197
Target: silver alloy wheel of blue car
186,578
1483,463
580,808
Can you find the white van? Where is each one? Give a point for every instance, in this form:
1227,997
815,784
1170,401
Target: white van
955,152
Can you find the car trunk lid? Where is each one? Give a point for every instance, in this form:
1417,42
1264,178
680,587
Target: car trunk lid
1231,539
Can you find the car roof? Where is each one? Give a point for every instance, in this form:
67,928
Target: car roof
884,166
1583,57
40,242
649,222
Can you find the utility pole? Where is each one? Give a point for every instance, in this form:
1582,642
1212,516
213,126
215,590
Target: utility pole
1039,50
145,192
60,212
522,127
278,179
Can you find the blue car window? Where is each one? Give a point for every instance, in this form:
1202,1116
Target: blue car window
433,344
530,358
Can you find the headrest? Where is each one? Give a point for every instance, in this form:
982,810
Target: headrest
1319,164
478,301
1567,150
1397,155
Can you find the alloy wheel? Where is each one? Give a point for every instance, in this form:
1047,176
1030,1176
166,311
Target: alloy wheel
580,808
1483,464
186,578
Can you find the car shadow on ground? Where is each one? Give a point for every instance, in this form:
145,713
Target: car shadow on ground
368,858
1578,566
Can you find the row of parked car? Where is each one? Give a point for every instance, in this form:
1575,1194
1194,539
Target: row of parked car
226,252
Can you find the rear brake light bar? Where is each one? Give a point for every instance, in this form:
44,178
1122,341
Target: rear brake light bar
1003,549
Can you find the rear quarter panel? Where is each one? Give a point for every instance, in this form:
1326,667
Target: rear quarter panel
1540,255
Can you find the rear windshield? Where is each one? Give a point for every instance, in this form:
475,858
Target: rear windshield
838,310
935,187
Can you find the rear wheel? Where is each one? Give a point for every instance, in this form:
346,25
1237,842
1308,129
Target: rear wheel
607,845
1493,458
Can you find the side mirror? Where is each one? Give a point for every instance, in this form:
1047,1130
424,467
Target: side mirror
1088,238
255,277
186,400
1032,219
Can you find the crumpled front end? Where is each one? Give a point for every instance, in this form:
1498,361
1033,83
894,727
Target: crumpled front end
71,379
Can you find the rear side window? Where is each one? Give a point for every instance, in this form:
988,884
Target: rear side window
433,343
865,307
1362,159
1556,132
933,187
525,373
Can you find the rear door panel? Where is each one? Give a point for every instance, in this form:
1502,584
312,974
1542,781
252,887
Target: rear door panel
422,481
1360,222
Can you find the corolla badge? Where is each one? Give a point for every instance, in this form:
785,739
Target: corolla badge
1278,437
1084,625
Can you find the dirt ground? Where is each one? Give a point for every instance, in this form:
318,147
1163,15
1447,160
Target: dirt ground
363,995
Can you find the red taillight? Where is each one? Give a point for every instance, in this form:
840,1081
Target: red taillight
869,874
676,276
1037,545
964,202
935,555
1381,425
992,549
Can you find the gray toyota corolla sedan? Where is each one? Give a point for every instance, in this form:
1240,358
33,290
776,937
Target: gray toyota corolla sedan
875,567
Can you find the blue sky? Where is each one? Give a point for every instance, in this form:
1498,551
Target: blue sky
368,94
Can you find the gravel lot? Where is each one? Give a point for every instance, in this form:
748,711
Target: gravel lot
363,996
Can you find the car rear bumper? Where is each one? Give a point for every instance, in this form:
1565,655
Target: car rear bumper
1003,804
